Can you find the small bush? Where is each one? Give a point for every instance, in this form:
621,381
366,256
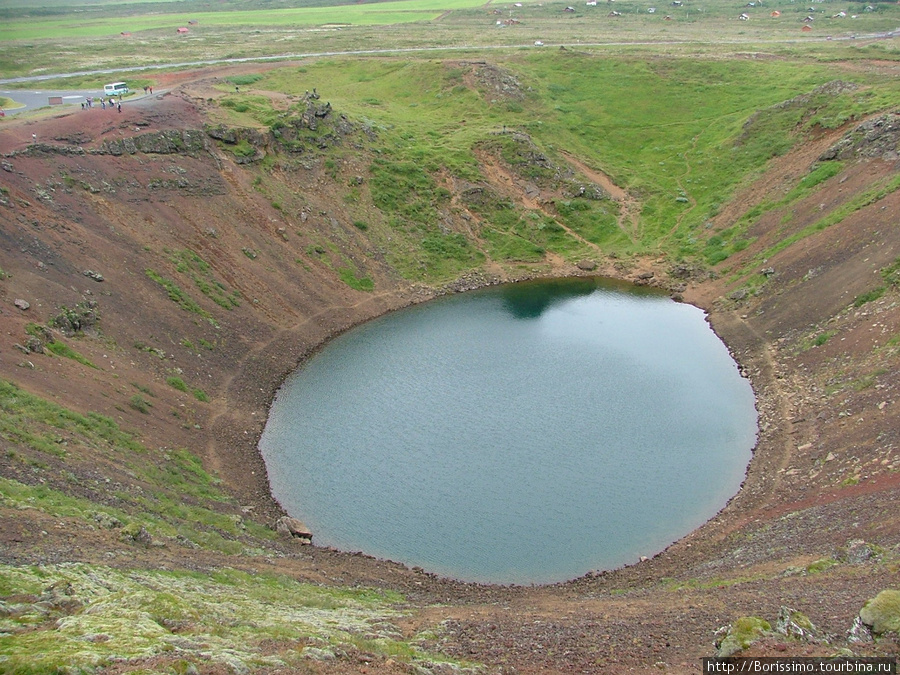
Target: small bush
243,149
140,404
868,296
176,383
76,319
822,338
200,395
891,273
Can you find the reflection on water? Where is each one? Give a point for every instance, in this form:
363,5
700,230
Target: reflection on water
530,299
457,437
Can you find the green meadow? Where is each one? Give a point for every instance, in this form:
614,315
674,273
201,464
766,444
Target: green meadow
99,23
681,133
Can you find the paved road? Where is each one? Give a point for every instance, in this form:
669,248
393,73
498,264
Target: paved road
39,98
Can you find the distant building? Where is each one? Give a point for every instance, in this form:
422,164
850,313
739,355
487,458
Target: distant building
182,31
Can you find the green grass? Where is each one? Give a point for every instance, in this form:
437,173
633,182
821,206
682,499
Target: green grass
64,350
349,276
40,40
176,383
869,296
681,133
367,15
176,295
201,273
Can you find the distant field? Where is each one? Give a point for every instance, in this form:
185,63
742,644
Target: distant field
88,24
55,38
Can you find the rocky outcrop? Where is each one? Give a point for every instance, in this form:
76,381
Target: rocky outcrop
234,135
877,138
170,142
45,150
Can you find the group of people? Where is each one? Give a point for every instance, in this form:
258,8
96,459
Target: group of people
111,102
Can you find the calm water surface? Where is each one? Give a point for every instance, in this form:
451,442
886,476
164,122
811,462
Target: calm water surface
522,434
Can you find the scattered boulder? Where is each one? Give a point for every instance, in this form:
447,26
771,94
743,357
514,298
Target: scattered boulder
292,527
685,271
882,613
857,552
96,276
586,265
859,632
107,521
34,344
741,634
78,318
21,304
794,624
135,533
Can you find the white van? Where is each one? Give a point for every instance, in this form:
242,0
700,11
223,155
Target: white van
115,89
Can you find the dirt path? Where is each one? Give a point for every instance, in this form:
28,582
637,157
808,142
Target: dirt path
501,177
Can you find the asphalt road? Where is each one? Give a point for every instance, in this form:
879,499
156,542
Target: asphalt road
39,98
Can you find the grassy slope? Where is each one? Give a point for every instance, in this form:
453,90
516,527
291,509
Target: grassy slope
680,133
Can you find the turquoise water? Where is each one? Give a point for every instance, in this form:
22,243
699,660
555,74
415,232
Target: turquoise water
522,434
